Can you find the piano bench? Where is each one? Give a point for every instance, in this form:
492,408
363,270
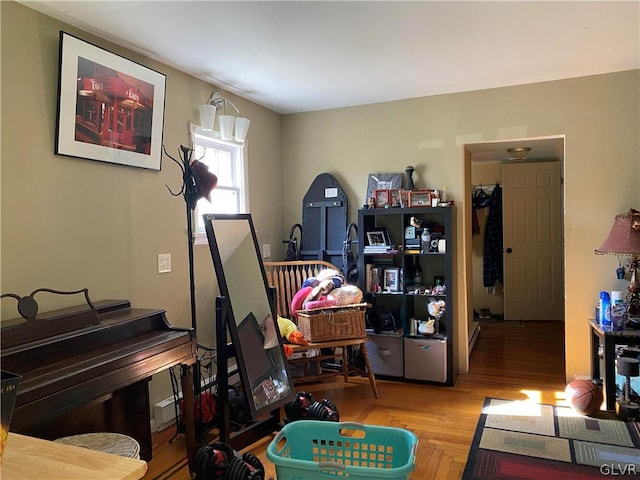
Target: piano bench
114,443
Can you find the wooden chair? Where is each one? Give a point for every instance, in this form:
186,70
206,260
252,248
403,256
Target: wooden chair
287,278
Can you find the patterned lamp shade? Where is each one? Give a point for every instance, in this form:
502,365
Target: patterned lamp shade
624,237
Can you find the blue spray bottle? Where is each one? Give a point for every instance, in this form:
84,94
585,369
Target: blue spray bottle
604,310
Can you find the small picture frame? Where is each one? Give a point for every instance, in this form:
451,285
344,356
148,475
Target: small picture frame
420,198
378,238
382,198
394,197
409,232
404,197
391,279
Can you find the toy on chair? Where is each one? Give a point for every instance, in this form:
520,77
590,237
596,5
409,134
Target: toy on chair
289,331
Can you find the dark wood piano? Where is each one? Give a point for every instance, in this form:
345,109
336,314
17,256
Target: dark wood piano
87,369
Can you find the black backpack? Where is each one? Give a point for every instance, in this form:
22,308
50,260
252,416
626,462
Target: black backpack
381,319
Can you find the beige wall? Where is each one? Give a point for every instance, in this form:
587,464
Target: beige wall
69,223
599,116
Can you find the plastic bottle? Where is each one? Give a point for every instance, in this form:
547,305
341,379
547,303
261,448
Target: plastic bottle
417,272
425,240
604,310
617,298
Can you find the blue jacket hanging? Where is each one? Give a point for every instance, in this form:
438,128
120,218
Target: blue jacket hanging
492,261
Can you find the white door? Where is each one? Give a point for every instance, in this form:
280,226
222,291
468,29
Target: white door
532,233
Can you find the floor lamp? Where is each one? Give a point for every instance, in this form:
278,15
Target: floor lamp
197,183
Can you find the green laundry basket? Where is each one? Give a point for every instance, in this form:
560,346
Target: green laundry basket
311,449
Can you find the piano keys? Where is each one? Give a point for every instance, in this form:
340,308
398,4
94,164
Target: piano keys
92,374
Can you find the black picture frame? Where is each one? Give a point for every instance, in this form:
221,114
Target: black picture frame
392,279
379,236
110,109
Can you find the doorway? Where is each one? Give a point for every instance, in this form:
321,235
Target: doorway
529,215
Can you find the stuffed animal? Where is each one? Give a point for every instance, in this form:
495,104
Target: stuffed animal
436,308
290,332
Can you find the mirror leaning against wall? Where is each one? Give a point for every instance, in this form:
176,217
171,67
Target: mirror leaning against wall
250,318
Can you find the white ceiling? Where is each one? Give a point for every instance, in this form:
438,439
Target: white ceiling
300,56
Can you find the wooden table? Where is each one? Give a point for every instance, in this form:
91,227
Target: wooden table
346,365
29,458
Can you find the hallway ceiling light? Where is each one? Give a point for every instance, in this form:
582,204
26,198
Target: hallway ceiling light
518,153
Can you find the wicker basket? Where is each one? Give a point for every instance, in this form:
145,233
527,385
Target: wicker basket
332,324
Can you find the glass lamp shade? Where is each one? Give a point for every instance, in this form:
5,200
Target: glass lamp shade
242,126
207,116
226,126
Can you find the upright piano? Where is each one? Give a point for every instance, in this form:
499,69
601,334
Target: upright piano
87,369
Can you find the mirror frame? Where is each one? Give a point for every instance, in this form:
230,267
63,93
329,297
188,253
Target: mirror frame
232,320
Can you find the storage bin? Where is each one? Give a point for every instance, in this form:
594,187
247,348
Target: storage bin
386,354
332,324
311,449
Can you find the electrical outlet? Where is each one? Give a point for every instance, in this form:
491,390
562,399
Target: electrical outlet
164,262
266,250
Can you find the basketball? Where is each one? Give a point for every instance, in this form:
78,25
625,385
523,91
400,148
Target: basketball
584,396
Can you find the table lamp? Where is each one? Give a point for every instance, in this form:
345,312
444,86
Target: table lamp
624,241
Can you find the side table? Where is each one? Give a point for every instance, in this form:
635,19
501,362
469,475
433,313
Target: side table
609,339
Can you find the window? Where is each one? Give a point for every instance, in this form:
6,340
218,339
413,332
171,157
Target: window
226,160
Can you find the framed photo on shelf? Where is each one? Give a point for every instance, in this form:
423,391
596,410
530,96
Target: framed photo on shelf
376,239
382,181
394,197
110,109
404,197
382,198
420,198
391,279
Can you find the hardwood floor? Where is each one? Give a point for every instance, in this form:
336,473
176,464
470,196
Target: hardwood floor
510,362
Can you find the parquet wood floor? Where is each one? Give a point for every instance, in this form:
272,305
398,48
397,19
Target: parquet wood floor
508,362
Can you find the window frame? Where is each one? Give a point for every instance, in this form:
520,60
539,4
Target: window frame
238,151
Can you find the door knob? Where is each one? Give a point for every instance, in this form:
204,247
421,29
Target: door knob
509,250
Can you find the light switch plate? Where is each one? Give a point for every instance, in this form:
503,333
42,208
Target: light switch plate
164,263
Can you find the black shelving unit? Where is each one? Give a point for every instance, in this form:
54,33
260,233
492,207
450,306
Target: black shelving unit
405,354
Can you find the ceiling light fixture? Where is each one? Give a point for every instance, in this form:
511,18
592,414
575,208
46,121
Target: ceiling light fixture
226,122
518,153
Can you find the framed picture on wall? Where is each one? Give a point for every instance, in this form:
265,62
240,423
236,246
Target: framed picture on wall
110,109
